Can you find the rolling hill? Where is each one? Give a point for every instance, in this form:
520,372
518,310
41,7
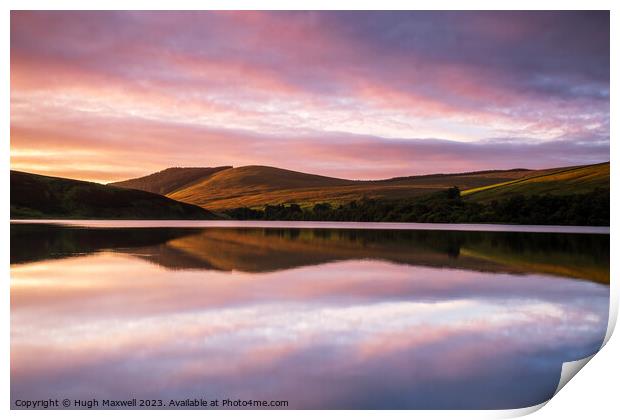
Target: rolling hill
257,186
571,195
560,181
37,196
167,181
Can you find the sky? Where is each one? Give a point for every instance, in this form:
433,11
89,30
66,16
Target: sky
106,96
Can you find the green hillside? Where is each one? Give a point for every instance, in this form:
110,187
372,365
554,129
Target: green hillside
37,196
562,196
258,186
560,181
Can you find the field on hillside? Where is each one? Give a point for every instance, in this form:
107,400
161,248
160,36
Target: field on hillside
225,188
561,181
566,196
257,186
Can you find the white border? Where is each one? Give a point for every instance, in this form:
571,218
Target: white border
594,394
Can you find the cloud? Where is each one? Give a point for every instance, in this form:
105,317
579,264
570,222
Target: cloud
94,147
356,87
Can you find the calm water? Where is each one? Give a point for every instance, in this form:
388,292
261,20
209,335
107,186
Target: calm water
321,317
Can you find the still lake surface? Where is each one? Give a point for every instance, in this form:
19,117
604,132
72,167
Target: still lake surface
336,316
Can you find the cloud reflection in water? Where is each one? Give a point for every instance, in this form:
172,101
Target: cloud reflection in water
352,334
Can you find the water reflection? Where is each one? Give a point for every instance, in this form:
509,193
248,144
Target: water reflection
322,318
256,250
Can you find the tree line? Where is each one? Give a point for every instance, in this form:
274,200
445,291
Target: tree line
447,206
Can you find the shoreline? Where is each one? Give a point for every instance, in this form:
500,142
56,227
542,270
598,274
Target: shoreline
100,223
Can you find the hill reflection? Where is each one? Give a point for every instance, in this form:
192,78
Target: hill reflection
256,250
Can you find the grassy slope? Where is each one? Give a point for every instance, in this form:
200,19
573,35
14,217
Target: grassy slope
560,181
257,186
169,180
37,196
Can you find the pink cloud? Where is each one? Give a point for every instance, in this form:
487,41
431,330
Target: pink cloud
103,81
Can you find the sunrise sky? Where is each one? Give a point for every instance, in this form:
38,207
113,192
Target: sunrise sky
105,96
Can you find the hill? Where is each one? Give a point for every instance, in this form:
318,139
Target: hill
37,196
167,181
258,186
559,181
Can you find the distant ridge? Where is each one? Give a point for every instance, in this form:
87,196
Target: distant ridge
558,181
169,180
484,172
